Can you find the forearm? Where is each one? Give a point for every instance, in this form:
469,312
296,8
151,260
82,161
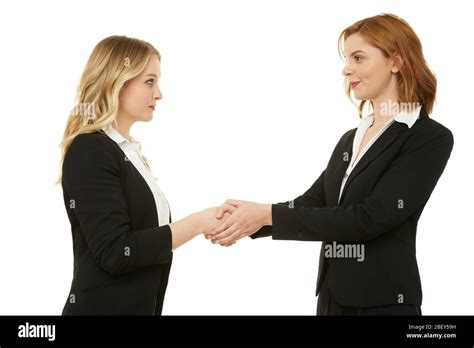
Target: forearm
185,229
266,217
266,214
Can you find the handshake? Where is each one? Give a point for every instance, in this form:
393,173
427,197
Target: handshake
233,220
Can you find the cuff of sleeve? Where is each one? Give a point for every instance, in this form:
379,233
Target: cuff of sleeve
265,231
154,246
283,226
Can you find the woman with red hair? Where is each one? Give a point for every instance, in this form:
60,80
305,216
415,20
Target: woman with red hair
366,203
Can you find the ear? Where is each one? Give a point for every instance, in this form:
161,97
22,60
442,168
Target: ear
397,62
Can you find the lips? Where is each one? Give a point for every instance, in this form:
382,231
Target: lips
152,107
354,84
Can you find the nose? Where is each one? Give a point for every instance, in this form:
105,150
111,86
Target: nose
346,71
157,93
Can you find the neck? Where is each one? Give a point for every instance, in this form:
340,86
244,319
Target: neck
123,126
384,103
382,113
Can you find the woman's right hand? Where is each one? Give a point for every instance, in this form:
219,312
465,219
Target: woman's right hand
208,221
202,222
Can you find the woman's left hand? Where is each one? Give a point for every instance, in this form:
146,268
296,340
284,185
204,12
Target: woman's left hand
246,218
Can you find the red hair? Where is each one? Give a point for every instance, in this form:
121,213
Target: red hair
416,83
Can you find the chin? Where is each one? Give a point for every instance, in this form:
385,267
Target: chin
146,118
359,95
362,96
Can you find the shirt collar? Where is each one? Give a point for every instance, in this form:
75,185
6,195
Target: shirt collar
120,139
409,118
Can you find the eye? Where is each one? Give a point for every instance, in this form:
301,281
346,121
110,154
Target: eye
358,59
150,82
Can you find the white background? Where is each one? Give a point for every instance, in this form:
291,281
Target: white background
253,106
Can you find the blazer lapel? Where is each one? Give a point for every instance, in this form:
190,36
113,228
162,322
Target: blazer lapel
341,163
385,139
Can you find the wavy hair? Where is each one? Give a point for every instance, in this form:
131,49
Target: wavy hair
113,62
416,83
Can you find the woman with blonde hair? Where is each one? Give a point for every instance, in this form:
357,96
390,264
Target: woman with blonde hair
121,226
365,205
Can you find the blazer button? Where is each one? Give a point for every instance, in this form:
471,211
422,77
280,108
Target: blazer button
300,235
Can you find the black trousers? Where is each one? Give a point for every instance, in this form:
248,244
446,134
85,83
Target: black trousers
328,306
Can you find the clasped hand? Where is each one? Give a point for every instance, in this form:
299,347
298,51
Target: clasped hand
239,219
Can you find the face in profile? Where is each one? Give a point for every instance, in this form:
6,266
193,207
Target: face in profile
138,98
371,75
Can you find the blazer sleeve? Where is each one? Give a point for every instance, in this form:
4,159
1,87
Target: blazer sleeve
313,197
91,177
404,188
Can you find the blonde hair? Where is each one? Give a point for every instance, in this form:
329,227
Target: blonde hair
416,83
113,62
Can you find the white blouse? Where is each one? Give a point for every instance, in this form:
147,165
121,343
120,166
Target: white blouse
409,118
132,150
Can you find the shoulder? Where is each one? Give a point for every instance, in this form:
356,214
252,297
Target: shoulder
349,134
429,126
96,141
89,139
90,146
347,137
427,130
344,144
90,158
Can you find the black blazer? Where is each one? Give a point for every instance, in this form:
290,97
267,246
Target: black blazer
122,258
380,205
